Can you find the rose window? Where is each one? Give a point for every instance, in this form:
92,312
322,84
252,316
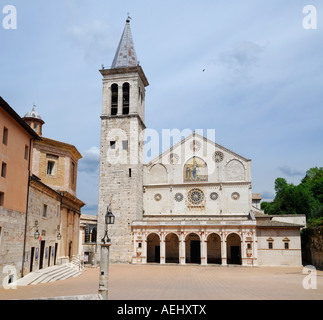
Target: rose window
196,196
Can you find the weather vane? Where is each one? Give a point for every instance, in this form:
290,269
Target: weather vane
129,18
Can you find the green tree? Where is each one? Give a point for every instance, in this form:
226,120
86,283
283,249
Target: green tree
305,198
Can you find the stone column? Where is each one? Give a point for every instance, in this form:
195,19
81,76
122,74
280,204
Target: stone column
203,250
120,100
134,253
243,251
182,249
144,250
104,271
224,250
255,250
162,249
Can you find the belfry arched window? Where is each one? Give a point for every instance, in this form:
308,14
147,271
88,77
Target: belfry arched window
114,99
126,97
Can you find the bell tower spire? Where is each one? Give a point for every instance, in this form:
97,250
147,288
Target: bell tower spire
126,54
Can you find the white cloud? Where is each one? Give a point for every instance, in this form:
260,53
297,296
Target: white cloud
90,161
95,39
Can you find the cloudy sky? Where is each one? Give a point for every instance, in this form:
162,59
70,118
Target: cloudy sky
261,88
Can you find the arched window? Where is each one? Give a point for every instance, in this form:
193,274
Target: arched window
114,99
126,95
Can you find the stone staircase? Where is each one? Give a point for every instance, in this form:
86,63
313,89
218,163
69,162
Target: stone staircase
51,274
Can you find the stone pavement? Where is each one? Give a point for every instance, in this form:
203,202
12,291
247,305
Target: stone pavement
189,282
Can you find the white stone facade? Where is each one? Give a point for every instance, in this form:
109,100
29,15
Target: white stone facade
192,204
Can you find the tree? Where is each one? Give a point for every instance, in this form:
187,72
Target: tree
305,198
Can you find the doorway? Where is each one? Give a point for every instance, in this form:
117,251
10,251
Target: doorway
157,254
32,259
195,251
192,248
234,249
49,254
55,254
153,248
235,255
41,257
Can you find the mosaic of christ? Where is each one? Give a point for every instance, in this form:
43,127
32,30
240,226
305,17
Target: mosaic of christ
195,169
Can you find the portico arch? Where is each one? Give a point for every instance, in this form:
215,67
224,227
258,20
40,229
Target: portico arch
172,248
214,248
153,248
193,248
233,248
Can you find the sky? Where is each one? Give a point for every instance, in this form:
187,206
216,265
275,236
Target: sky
251,70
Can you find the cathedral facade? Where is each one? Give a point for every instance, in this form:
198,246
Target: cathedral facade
193,203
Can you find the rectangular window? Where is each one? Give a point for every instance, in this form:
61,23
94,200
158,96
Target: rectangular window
129,172
3,170
270,245
45,210
112,144
26,152
50,167
5,136
286,244
1,198
125,144
72,173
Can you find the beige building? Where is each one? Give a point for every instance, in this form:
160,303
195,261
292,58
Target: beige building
54,167
88,240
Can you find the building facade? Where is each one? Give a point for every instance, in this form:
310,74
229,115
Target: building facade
54,168
39,210
193,203
16,145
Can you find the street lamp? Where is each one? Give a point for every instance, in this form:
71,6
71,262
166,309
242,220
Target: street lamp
108,219
36,234
104,259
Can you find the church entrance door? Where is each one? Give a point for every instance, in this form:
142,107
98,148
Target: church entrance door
153,248
235,255
157,254
195,251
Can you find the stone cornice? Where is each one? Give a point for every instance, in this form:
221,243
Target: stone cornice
133,115
118,71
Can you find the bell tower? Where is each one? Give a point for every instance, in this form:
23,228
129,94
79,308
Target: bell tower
121,149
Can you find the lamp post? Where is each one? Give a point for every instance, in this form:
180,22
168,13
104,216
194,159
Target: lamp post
104,260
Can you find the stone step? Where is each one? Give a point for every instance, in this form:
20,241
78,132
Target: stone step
66,275
32,276
50,275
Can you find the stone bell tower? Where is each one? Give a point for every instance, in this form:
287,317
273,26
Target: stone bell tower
121,149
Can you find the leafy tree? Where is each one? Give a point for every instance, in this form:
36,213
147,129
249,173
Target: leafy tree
305,198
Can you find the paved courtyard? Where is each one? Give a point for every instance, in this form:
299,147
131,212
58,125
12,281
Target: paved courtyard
174,282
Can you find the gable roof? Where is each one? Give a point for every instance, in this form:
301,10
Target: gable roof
193,135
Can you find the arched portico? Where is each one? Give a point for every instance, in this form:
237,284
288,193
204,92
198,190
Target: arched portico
153,248
172,248
234,248
214,249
